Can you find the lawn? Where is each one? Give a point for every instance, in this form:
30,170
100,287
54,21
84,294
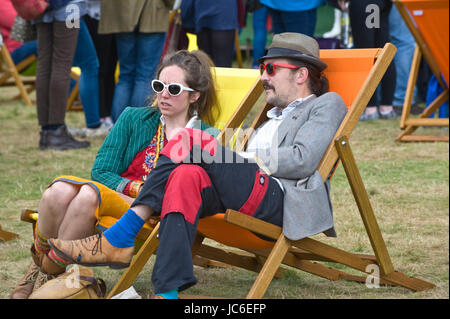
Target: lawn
408,185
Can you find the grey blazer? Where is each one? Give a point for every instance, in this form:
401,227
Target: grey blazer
297,148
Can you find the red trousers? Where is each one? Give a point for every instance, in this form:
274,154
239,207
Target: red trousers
196,177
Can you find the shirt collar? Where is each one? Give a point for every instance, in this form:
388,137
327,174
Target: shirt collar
280,114
189,124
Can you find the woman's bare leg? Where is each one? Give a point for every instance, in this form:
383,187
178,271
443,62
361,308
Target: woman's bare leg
79,219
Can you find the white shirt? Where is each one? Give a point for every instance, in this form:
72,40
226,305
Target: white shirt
189,124
264,135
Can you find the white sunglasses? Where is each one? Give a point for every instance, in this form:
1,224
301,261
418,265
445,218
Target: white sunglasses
174,89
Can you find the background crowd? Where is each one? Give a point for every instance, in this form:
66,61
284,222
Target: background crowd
134,35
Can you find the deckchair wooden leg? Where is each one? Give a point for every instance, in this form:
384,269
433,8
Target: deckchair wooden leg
6,235
138,262
15,75
411,85
413,124
269,269
364,206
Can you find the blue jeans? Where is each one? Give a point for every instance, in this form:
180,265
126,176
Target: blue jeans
86,59
138,55
294,21
24,51
401,37
259,34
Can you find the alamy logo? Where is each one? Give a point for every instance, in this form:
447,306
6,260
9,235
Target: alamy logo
73,17
373,19
73,279
373,280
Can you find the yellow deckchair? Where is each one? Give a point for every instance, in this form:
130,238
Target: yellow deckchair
354,74
233,86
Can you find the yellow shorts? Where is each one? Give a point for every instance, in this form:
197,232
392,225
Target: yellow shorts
111,206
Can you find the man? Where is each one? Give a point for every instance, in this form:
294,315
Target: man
196,177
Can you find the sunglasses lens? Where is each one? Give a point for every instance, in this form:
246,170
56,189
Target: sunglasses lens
174,89
157,86
261,68
270,68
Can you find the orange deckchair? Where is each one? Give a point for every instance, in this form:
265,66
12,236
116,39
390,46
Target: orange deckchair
354,74
429,24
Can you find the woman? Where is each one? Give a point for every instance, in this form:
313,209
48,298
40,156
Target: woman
71,206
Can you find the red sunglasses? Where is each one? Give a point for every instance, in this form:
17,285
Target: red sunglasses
270,67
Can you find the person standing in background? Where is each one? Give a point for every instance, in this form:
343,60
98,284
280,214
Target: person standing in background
373,32
215,23
57,32
140,28
293,16
259,23
403,40
105,45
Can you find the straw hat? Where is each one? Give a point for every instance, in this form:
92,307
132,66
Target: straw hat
296,46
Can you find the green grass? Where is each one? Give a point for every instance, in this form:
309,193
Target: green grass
407,184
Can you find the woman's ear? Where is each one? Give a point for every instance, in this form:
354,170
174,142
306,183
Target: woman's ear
193,97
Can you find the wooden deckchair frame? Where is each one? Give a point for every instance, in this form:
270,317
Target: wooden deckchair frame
299,254
407,124
12,71
6,235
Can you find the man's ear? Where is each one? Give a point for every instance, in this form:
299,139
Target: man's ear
193,97
301,76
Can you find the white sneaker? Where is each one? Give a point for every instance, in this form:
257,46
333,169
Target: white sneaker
76,132
100,131
107,121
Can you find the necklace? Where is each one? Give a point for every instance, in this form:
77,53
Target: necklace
159,143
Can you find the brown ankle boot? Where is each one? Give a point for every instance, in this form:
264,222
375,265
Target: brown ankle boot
49,267
92,251
25,286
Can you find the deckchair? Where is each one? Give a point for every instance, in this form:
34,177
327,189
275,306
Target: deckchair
429,24
233,86
6,235
354,74
8,70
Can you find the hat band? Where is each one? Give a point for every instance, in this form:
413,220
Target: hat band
286,52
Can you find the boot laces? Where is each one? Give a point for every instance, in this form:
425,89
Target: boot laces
97,247
32,276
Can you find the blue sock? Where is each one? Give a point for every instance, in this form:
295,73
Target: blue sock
173,294
123,232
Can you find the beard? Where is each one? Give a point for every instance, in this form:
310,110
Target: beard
273,98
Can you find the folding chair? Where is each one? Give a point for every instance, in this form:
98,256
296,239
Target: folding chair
428,23
363,68
8,70
6,235
233,86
